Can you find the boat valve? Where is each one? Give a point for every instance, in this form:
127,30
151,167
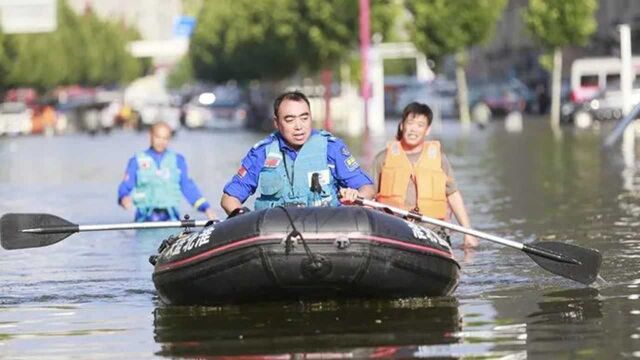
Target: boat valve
290,241
342,242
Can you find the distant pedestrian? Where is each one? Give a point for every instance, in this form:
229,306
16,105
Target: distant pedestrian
542,97
157,178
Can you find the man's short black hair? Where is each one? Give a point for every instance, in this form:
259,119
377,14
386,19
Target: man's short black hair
289,95
414,108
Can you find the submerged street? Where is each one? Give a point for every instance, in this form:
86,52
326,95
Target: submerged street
92,293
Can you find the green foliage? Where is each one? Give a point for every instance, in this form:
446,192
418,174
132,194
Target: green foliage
192,7
271,39
82,50
400,67
384,14
546,61
243,39
326,32
557,23
4,64
446,27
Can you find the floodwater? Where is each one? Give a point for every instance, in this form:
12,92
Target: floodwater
91,295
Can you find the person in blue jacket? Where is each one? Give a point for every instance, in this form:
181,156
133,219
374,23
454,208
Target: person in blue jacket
156,179
296,165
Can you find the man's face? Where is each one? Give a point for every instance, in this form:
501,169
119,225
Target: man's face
414,129
294,122
160,137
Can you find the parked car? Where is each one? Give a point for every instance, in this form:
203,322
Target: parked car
503,100
604,105
15,118
220,107
83,107
440,95
590,75
503,96
155,109
148,102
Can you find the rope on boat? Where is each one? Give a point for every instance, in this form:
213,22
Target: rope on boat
315,261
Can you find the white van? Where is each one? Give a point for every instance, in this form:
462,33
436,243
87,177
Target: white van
589,75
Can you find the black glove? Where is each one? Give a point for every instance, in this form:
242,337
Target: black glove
238,211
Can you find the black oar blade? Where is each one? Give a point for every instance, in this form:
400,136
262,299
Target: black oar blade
585,265
12,237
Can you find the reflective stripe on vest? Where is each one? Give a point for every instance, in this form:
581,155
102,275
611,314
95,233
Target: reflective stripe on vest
274,185
431,180
157,188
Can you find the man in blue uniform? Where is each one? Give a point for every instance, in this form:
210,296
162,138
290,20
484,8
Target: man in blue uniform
156,179
296,165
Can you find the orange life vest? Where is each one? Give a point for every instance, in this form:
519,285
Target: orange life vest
431,180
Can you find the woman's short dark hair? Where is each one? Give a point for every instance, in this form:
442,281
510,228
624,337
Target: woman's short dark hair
414,108
289,95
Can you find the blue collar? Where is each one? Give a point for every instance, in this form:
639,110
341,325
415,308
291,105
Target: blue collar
156,156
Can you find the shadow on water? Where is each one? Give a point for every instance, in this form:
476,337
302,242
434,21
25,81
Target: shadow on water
553,324
567,306
567,324
344,329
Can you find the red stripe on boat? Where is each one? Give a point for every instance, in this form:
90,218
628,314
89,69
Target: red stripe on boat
323,236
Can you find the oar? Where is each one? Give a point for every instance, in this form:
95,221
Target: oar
21,231
570,261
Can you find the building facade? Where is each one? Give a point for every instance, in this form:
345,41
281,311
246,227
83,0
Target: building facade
154,19
512,52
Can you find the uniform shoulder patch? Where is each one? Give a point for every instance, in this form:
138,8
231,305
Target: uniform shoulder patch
351,163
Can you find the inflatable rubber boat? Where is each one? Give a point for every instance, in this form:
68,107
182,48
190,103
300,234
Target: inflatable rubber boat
304,253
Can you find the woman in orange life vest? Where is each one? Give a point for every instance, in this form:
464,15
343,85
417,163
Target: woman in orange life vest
414,174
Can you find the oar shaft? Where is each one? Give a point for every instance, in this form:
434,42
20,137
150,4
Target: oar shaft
122,226
514,244
476,233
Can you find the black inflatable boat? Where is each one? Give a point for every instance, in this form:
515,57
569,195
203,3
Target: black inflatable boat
304,253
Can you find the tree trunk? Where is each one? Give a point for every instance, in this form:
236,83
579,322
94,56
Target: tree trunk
555,87
463,96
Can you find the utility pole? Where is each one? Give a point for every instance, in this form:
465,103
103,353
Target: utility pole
628,139
365,44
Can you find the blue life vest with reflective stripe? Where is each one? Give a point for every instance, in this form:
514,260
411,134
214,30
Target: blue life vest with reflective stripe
157,188
274,184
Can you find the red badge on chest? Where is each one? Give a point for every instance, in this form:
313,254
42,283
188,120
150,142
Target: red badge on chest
271,162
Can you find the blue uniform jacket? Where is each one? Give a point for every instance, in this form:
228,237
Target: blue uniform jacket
187,185
344,167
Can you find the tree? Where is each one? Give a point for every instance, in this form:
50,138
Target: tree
556,24
271,39
450,27
82,50
4,63
244,39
